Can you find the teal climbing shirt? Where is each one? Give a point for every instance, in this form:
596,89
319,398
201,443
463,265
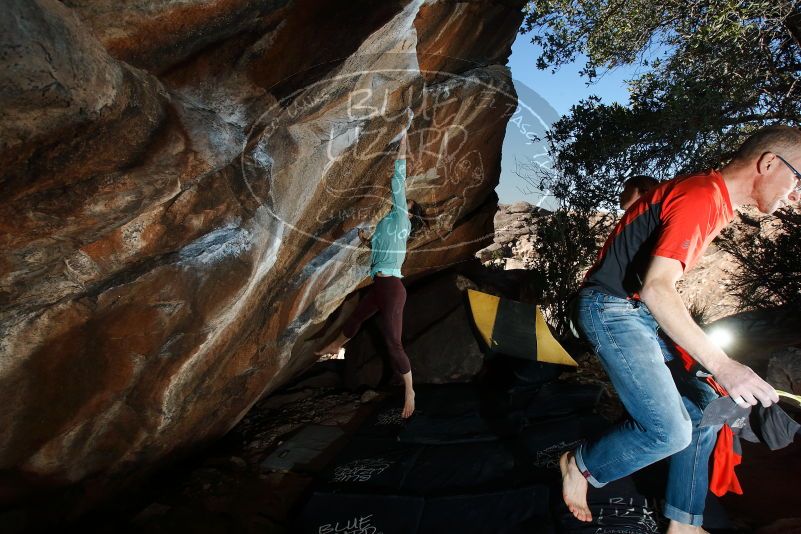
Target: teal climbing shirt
389,240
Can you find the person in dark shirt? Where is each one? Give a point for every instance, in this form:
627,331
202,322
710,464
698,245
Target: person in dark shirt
634,188
630,293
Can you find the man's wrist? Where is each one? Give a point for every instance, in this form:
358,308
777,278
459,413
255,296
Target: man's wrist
716,363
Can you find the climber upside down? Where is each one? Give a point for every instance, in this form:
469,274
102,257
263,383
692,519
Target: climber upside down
387,295
630,294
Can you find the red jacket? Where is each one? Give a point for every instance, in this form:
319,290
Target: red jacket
727,453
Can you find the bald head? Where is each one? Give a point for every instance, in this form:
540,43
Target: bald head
778,139
763,171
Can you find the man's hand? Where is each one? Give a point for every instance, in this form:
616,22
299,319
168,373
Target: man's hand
744,385
660,295
362,235
401,137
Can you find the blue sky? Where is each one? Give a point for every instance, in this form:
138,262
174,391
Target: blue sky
543,97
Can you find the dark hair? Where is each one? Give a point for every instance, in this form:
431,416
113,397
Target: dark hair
778,139
416,211
642,182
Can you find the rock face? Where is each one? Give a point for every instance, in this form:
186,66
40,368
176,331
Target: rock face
180,188
514,241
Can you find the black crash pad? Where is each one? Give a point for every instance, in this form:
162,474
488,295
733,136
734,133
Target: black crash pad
332,513
368,464
523,510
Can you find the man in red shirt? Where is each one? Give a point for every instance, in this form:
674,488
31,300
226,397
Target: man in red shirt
630,293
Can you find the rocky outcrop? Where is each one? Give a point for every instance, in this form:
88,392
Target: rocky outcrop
513,245
181,184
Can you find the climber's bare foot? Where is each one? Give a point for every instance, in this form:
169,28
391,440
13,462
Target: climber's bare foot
334,347
408,405
574,487
331,348
683,528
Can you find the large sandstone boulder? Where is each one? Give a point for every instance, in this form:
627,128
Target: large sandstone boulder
181,183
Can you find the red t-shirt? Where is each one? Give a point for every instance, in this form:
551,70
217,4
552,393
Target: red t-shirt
677,219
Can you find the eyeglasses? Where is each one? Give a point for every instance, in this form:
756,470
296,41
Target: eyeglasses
797,188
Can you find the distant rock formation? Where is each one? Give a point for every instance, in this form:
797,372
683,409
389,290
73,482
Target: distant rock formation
513,245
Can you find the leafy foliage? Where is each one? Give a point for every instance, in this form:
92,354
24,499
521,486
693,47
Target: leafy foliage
710,73
567,243
713,71
770,274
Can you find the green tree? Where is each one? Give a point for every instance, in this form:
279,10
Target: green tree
567,243
711,72
567,240
770,267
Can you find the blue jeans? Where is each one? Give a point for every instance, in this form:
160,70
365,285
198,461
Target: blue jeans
664,403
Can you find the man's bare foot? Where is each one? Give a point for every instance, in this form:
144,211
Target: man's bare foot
333,347
574,487
408,405
683,528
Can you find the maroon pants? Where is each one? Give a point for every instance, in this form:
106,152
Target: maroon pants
388,296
